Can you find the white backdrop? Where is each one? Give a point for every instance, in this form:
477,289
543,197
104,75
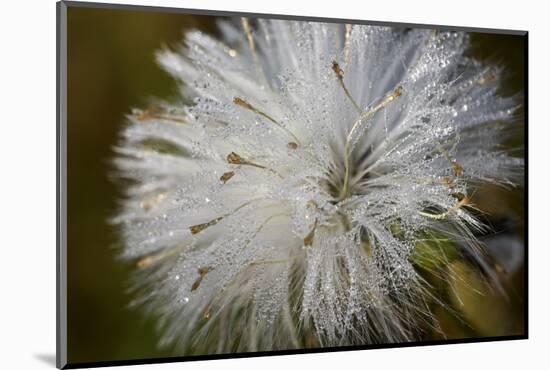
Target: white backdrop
27,181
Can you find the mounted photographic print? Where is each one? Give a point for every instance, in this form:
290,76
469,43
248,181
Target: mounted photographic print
239,184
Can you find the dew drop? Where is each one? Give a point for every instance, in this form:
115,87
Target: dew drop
183,300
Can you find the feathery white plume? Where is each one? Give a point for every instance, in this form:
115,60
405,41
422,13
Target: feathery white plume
282,202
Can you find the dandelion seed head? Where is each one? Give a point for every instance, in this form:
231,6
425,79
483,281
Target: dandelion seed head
280,204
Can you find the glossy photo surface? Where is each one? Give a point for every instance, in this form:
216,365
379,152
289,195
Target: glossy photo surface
240,184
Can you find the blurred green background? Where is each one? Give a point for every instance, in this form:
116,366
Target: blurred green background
111,69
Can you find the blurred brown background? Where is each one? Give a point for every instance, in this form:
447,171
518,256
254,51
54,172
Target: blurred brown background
111,69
